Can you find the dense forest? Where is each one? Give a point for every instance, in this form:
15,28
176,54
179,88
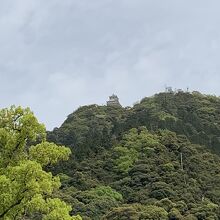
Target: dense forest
157,160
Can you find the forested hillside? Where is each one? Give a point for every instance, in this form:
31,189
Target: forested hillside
156,160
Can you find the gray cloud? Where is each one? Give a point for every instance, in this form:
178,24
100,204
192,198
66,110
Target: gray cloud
57,55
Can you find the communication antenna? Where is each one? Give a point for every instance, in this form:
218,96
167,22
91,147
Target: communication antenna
181,164
181,160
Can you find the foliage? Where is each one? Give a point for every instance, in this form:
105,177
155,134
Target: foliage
161,155
137,211
92,203
25,188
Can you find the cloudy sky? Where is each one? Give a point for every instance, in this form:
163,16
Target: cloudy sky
57,55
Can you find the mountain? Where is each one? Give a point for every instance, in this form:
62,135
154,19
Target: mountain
156,160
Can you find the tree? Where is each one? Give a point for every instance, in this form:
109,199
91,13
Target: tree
95,202
122,213
26,189
137,211
153,213
134,143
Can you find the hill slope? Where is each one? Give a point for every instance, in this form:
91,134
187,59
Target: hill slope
156,160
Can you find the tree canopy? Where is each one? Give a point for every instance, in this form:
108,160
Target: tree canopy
161,156
26,189
159,159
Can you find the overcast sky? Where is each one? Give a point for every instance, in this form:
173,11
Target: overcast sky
57,55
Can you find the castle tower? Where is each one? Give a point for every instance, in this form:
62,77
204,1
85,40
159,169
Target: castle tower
113,101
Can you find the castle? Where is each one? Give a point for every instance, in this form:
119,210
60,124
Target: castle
113,101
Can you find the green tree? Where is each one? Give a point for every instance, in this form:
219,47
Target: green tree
135,143
26,190
137,211
95,202
153,213
122,213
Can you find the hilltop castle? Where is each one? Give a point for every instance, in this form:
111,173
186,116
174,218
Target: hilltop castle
113,101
